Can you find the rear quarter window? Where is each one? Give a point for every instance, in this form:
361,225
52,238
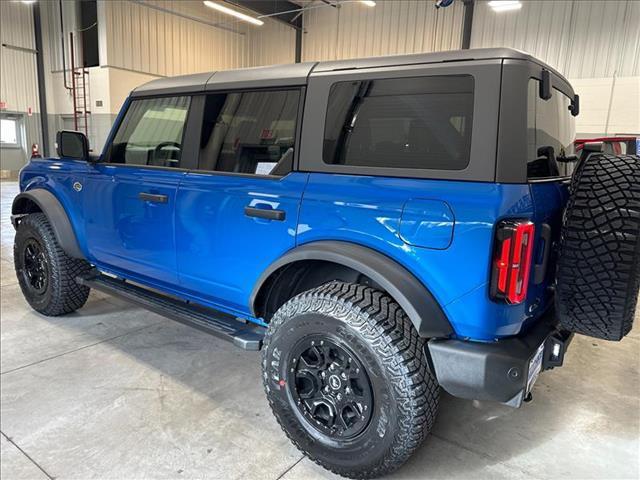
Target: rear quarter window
551,133
412,123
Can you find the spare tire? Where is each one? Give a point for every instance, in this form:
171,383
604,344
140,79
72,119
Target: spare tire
598,272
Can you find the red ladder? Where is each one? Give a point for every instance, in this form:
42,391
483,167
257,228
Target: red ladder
80,94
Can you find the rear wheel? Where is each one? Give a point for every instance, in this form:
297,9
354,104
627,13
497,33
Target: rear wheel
599,262
346,376
46,274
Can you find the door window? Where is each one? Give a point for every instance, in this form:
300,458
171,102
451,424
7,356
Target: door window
249,132
413,123
151,133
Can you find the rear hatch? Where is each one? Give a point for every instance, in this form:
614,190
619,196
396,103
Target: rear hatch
550,163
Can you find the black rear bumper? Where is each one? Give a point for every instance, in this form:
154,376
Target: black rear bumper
497,371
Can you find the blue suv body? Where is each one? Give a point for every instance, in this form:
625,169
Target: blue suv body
432,178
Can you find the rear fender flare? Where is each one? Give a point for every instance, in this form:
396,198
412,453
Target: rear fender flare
416,300
55,212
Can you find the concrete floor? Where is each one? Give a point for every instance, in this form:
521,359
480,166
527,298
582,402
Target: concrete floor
116,392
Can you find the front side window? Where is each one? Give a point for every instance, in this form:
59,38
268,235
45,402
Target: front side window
151,133
551,131
249,132
411,123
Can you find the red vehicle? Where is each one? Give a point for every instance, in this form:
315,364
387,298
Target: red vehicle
620,145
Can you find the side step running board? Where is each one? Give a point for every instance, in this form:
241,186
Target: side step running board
227,327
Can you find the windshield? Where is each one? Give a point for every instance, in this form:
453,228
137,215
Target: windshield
551,132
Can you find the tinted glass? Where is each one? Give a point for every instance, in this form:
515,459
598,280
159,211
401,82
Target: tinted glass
249,132
151,133
72,145
551,131
417,123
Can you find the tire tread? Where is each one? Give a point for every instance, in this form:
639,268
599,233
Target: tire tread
599,260
67,295
387,329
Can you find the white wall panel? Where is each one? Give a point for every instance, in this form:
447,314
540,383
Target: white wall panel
50,14
18,80
608,106
391,27
582,39
152,40
18,77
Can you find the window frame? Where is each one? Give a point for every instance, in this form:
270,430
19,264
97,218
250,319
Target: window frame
186,159
17,119
486,76
297,136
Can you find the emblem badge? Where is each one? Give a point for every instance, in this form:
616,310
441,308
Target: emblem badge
77,186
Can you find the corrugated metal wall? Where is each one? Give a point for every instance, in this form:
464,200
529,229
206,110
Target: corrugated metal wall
391,27
582,39
151,40
50,14
18,77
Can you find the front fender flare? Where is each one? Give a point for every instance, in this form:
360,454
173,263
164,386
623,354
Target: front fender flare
55,212
415,299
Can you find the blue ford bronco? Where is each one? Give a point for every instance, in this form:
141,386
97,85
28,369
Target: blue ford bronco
381,228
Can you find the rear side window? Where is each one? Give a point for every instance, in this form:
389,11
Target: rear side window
551,132
249,132
151,133
413,123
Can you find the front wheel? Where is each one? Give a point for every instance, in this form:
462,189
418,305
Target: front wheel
346,376
46,274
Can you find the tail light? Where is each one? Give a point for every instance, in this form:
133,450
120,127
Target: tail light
512,261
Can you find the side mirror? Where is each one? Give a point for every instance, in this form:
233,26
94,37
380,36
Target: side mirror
71,144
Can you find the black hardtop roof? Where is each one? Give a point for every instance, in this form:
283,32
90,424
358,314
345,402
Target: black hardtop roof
298,73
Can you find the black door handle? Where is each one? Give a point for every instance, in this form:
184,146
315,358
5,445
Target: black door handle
152,197
267,213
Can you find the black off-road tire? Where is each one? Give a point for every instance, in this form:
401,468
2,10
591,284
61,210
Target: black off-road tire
599,260
372,326
60,293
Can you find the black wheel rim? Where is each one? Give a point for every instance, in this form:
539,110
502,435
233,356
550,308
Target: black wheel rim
35,266
330,387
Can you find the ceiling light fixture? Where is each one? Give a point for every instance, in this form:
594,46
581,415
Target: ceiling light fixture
505,5
368,3
233,13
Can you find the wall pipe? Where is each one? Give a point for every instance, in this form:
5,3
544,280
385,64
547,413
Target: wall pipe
64,67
